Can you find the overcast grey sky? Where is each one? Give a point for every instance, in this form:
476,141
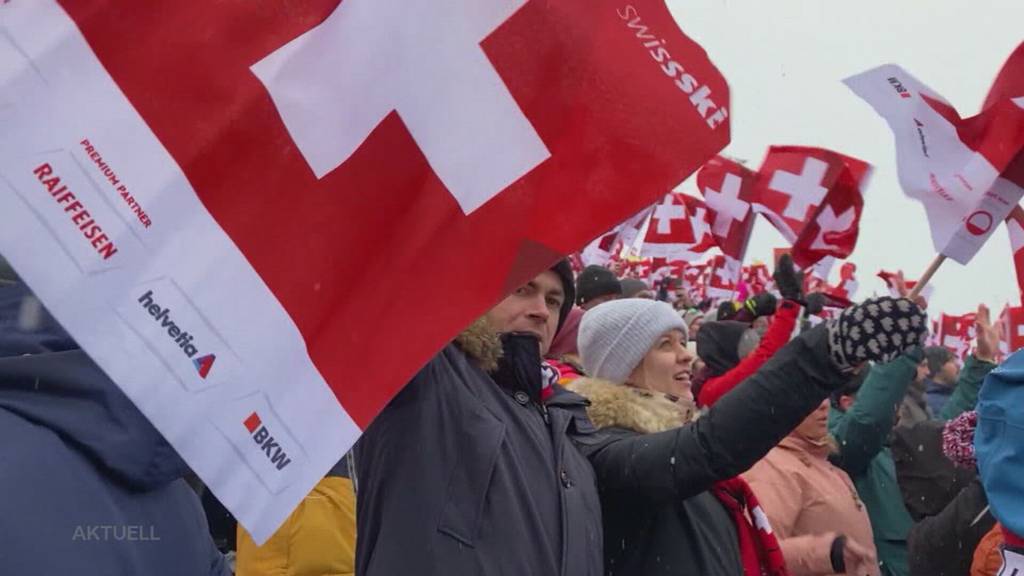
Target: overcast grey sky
785,61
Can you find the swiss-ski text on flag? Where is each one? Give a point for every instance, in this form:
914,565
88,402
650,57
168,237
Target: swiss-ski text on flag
224,202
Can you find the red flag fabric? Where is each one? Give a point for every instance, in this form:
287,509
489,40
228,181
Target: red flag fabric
1012,329
723,277
242,159
1015,228
678,230
728,189
833,230
848,284
956,333
794,182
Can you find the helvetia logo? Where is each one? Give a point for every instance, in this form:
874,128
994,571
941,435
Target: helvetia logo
183,339
204,364
271,448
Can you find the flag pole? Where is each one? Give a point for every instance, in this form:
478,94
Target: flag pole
927,277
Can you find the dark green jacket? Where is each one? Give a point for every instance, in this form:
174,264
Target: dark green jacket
862,433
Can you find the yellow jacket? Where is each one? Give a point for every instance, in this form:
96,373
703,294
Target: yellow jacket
318,539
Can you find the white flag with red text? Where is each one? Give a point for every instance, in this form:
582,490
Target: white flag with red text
190,188
952,165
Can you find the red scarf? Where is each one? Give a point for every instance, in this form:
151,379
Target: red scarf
759,550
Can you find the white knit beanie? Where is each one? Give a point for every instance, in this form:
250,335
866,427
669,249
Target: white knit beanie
615,336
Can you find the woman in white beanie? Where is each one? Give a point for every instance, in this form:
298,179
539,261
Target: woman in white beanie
669,504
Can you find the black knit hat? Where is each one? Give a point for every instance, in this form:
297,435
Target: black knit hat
595,281
564,271
718,345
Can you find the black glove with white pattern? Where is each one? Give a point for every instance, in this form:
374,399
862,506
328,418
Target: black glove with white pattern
877,330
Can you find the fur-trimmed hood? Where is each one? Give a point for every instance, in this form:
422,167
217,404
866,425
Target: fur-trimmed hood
620,406
481,342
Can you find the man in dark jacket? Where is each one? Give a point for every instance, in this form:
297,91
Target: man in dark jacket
948,504
90,487
469,471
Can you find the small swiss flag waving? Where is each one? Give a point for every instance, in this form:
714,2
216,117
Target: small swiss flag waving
813,198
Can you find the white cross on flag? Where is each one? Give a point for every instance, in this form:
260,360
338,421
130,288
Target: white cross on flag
813,198
679,229
224,168
949,164
724,277
833,230
728,190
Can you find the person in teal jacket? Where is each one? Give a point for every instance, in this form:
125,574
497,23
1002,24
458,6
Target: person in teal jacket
861,421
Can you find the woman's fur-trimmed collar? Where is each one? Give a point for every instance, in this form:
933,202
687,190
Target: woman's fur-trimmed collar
620,406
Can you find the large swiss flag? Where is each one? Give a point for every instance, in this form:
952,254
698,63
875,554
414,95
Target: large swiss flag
281,181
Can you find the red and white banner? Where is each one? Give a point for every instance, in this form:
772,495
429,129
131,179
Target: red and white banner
1015,228
832,231
794,182
956,333
679,229
604,247
192,187
949,164
1011,329
723,277
728,190
848,284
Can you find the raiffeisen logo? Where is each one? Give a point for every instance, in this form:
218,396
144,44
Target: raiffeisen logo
271,448
182,338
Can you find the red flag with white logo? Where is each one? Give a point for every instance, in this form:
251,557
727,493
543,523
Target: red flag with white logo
192,188
728,189
795,183
678,229
961,169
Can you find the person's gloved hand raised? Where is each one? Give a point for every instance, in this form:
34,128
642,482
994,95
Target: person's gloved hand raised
788,281
876,330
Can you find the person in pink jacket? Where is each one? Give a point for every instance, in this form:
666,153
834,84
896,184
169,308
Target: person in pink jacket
819,520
